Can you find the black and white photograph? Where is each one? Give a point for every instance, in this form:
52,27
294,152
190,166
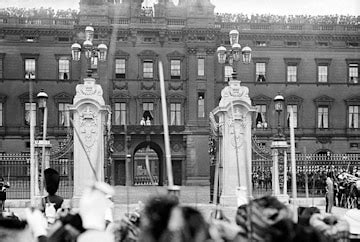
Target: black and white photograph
179,121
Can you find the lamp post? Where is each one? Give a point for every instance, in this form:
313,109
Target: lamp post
235,53
234,112
42,103
90,51
279,146
279,107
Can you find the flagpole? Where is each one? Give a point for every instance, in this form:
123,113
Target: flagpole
171,187
293,162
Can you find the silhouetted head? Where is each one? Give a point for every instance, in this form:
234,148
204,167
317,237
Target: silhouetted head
52,180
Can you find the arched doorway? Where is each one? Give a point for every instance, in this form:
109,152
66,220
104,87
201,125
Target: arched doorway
148,158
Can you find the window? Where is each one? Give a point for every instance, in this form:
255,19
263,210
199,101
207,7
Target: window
260,119
148,69
175,114
228,70
94,62
260,43
201,66
120,113
292,43
30,68
175,69
291,73
354,73
148,109
1,67
28,108
260,71
148,39
295,113
64,68
322,73
323,117
120,68
323,44
354,116
1,115
64,114
201,105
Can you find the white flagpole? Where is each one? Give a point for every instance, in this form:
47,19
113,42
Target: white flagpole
166,128
293,162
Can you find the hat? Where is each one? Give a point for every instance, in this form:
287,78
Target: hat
52,180
353,218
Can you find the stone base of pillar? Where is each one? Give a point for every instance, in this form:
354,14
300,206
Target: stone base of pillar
284,198
230,201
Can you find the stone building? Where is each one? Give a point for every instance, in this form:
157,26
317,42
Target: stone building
312,61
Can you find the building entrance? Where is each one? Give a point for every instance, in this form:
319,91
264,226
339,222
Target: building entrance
147,164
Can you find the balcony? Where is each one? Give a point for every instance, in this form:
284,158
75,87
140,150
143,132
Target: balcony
147,129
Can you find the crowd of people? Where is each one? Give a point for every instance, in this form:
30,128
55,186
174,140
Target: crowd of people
287,19
162,218
38,13
315,178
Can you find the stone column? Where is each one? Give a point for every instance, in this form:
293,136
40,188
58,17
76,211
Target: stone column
234,113
278,145
89,123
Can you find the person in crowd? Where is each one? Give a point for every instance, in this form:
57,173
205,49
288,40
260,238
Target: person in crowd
329,194
3,186
52,202
156,215
12,229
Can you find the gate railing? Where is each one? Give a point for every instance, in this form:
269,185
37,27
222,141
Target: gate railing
314,166
15,168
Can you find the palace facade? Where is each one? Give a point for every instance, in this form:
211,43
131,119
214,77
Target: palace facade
312,61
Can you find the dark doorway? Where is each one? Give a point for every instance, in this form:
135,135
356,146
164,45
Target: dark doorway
120,173
147,164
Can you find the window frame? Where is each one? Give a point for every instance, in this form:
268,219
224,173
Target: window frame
175,77
26,56
294,62
199,94
122,113
2,69
327,118
122,75
352,101
3,110
148,61
353,62
321,62
262,100
322,102
148,55
200,72
228,77
121,98
66,124
59,57
356,115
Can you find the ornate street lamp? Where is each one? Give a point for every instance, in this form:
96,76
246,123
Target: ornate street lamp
42,98
235,53
89,50
279,101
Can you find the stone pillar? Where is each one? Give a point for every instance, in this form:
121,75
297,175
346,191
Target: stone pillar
38,145
89,123
234,113
276,146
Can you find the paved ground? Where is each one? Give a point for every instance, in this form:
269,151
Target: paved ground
126,199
